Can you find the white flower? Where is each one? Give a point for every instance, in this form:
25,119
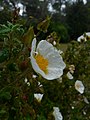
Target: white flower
54,42
69,75
28,83
84,113
85,100
79,86
39,84
34,76
57,114
59,80
26,80
48,62
72,107
72,68
83,37
38,96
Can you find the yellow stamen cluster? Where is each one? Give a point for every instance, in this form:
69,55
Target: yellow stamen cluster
42,62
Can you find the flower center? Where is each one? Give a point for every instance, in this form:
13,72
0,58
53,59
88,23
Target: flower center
42,62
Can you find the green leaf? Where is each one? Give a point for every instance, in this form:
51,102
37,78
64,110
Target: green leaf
28,36
5,95
41,117
3,55
12,67
9,24
43,26
28,117
4,30
2,111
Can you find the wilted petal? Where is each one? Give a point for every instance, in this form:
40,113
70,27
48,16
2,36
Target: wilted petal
69,75
79,86
57,114
85,100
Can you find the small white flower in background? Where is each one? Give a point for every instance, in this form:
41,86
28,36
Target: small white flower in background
83,37
85,100
57,114
40,85
59,80
38,96
54,42
26,80
48,62
34,76
72,107
69,75
72,68
79,86
84,113
28,83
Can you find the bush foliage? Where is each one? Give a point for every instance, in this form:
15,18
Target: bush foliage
17,100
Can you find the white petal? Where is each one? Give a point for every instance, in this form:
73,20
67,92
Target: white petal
38,96
53,73
88,34
33,45
49,52
79,86
44,48
28,83
26,80
56,65
85,100
39,84
82,37
54,42
33,61
57,114
55,60
35,66
69,75
34,76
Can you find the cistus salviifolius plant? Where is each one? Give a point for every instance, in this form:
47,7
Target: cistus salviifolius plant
41,82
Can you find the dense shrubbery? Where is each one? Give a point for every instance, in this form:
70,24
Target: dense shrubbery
61,31
18,82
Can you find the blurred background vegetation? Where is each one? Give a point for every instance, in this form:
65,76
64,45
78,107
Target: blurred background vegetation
69,18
